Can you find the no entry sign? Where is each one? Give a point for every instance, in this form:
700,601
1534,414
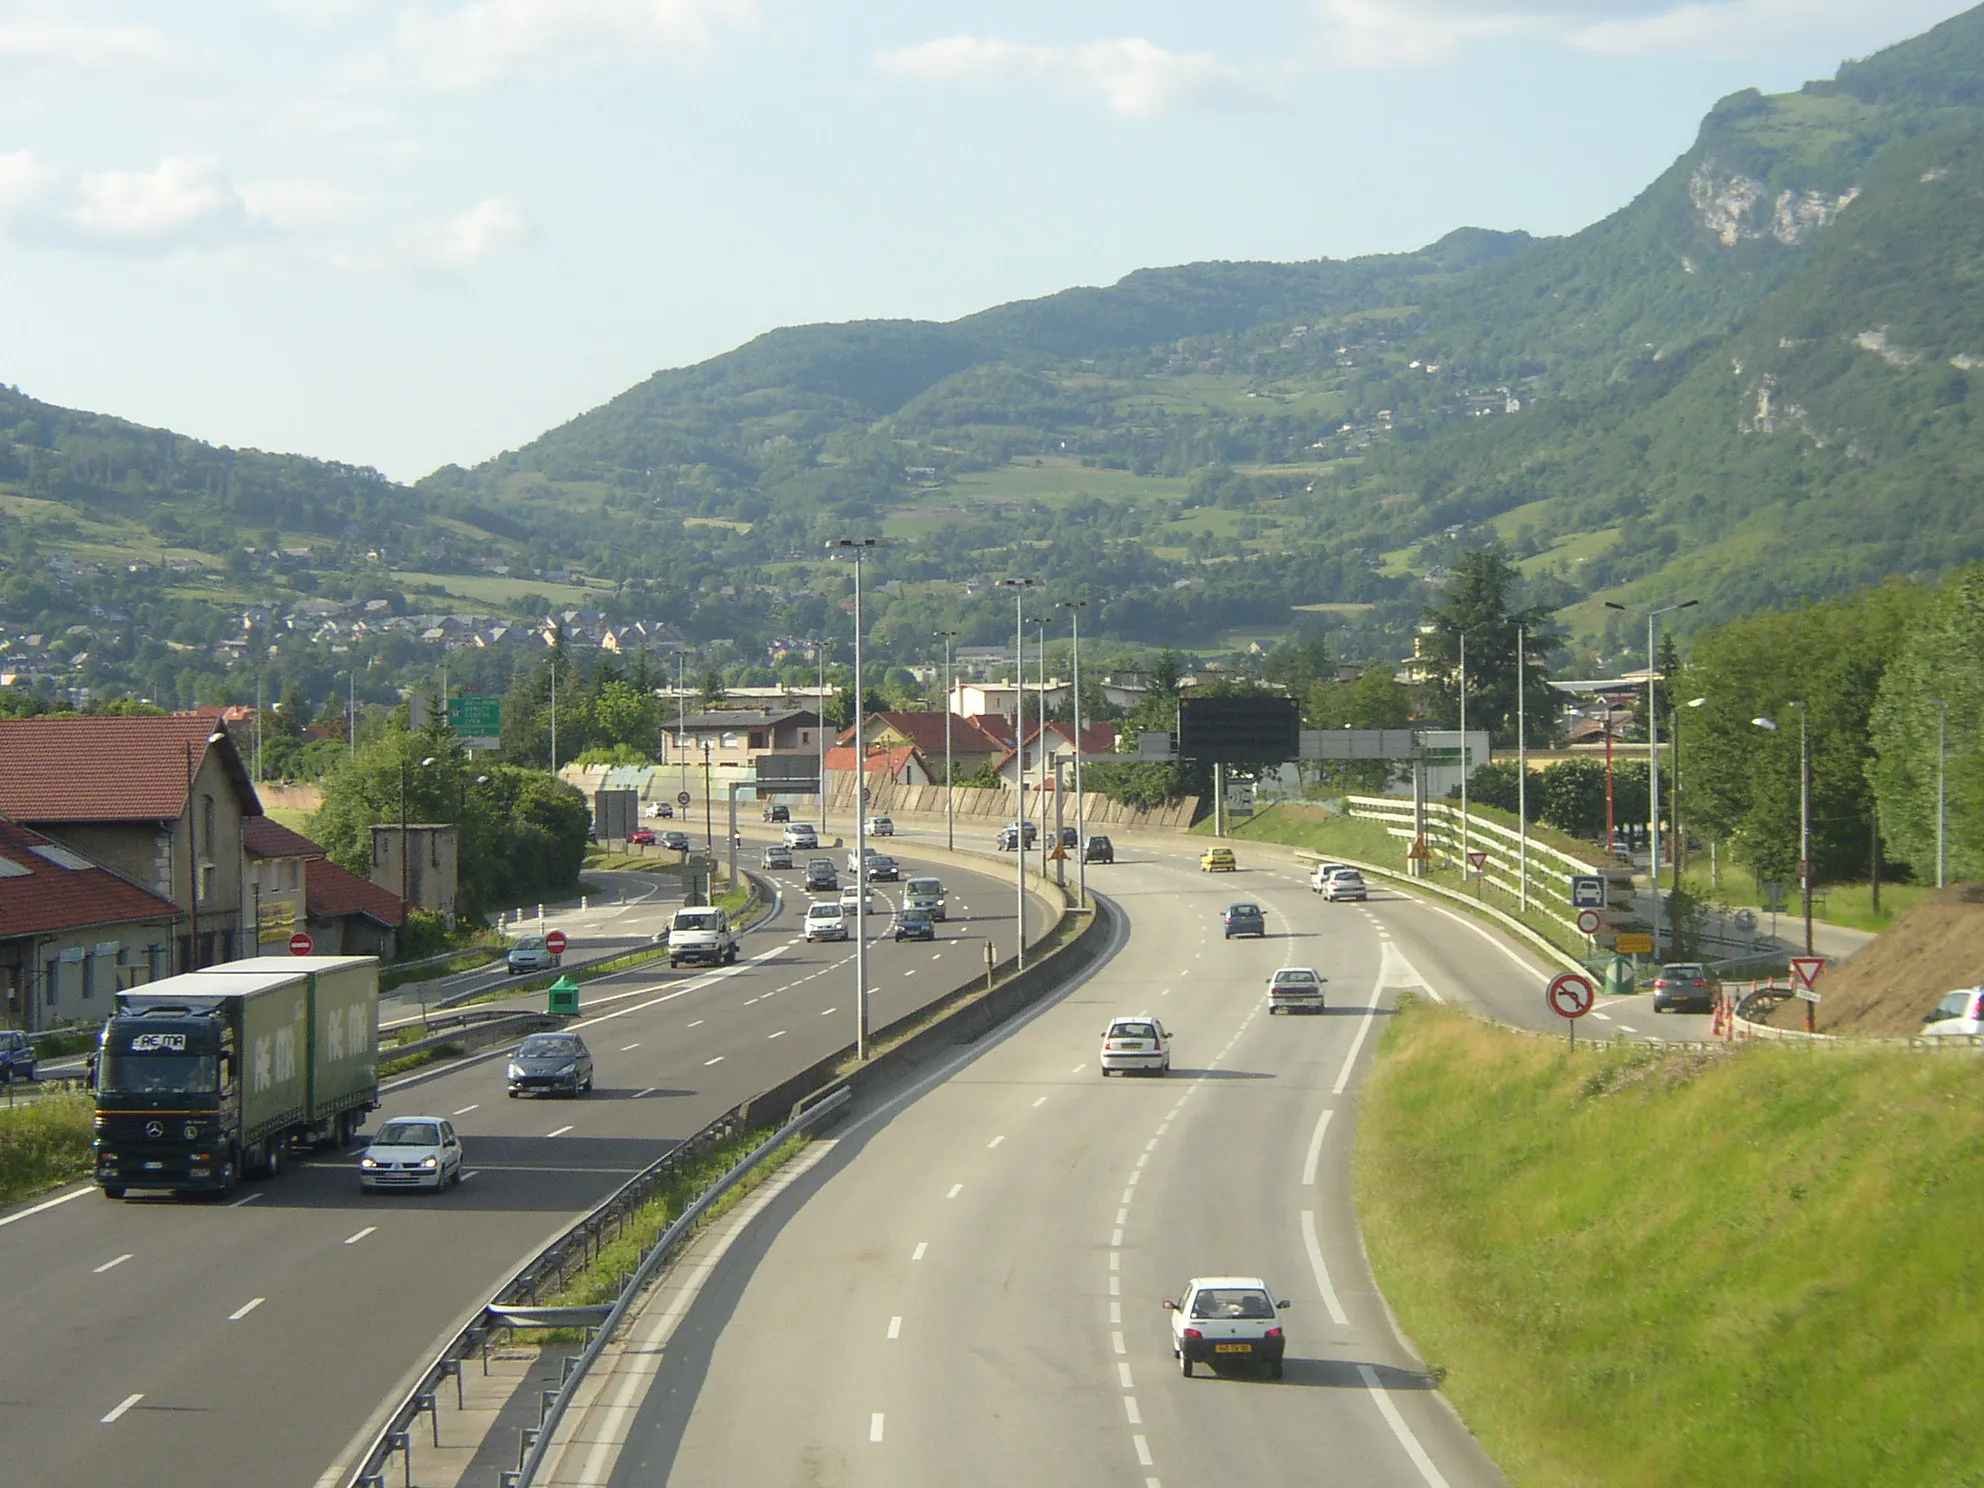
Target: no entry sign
300,944
1570,995
555,942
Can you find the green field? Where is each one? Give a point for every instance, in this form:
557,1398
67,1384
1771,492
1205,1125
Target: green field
499,589
1635,1267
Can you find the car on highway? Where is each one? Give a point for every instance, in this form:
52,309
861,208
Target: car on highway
801,834
1098,850
1013,834
824,921
675,841
851,896
856,859
1227,1320
778,855
926,894
661,811
1345,885
778,813
915,924
821,876
16,1056
1958,1014
1684,987
1218,860
1320,875
412,1152
1139,1043
641,837
1244,918
701,935
881,826
549,1063
1296,989
528,953
1068,837
884,869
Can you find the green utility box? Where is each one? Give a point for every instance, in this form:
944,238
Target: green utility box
564,998
1620,978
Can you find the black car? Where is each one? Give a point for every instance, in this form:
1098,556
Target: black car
884,869
915,924
778,855
679,841
821,875
551,1063
1098,850
1068,837
777,813
1012,834
16,1056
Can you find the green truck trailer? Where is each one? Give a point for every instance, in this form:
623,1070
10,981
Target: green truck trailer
208,1077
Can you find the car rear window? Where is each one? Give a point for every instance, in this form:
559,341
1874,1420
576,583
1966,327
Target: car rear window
1684,971
1132,1030
1295,978
1245,911
1216,1303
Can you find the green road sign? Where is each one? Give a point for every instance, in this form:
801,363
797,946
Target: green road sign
477,718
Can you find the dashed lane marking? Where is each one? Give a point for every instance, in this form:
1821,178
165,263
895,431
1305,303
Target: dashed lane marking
895,1327
122,1406
875,1427
558,1133
921,1247
708,1062
241,1312
466,1109
120,1260
368,1230
956,1189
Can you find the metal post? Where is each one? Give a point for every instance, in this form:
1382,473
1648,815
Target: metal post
709,825
1463,752
1019,588
554,711
1653,781
860,840
1218,798
1040,746
1074,608
1522,771
351,715
1942,758
821,652
950,785
1419,867
1805,816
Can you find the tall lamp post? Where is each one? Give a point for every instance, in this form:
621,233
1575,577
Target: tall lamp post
1019,588
1653,756
1674,808
1942,760
820,732
1040,748
1804,810
406,855
950,809
859,547
1074,607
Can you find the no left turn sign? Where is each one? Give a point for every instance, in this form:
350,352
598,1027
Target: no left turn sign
1570,995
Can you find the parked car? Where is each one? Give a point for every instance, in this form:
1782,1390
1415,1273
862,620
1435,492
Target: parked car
1225,1320
778,855
1098,850
926,894
1218,860
1320,875
412,1152
528,953
1346,884
661,811
915,924
1136,1043
1684,987
547,1063
801,834
1244,918
778,813
675,841
16,1056
881,826
884,869
1958,1014
824,921
1296,988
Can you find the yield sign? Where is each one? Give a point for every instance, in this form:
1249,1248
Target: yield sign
1477,861
1807,969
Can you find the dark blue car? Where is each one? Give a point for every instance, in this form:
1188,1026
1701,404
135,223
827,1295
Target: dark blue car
915,924
16,1056
1245,919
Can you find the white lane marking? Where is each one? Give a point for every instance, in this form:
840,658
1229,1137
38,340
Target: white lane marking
1151,1145
1078,1069
1316,1147
1623,1028
241,1312
1116,1316
46,1205
921,1246
875,1427
1606,1016
1142,1158
910,972
1115,1260
1040,1102
241,1203
558,1133
1117,1343
1144,1458
629,1048
368,1230
122,1406
466,1109
829,1012
1115,1286
1123,1215
649,1091
1116,1237
938,957
1130,1409
895,1327
99,1270
1399,1429
470,1174
956,1189
1315,1249
697,1024
994,1143
779,1034
708,1062
1129,1194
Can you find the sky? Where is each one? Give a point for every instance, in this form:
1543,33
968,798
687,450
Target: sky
403,233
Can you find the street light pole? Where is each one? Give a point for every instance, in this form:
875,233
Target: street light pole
1804,810
1074,607
1653,757
1674,809
1040,747
1463,759
820,732
1522,767
950,801
1019,588
859,547
1942,759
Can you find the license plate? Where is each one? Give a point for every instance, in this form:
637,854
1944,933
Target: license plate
1232,1348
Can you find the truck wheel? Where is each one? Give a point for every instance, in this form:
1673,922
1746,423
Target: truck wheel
272,1158
113,1193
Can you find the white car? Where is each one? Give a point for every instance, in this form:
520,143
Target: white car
1296,988
824,921
856,859
412,1152
1136,1043
1227,1320
1320,875
881,826
1345,885
1958,1014
850,898
801,834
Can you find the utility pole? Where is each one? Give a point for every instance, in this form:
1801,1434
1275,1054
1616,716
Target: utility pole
1653,757
1019,588
950,801
1942,759
1074,607
859,547
1463,758
1522,768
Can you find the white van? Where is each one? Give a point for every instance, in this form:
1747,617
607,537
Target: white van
925,894
701,934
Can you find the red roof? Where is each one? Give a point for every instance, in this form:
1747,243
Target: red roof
58,889
109,769
892,761
995,726
926,732
1097,738
330,892
265,837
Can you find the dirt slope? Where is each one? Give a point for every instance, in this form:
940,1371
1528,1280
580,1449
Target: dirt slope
1885,987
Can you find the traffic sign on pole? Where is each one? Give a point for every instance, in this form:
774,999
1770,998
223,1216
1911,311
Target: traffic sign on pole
555,942
1807,969
1588,922
1634,945
1587,891
1418,852
682,798
1477,861
300,944
1570,994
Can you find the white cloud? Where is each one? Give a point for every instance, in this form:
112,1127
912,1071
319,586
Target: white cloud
25,184
184,200
475,45
460,241
1134,77
299,205
66,44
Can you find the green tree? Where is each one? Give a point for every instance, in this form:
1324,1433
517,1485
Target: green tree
1479,607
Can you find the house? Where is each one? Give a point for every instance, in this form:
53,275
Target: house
274,887
971,747
420,864
737,736
1097,738
972,698
72,933
346,915
159,801
899,763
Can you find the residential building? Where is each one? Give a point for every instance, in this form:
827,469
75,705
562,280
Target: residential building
900,763
972,747
346,915
737,736
274,889
426,874
971,698
1057,742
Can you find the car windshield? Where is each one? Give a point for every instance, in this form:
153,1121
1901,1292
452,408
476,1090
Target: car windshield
157,1074
693,920
529,943
1955,1004
408,1134
1133,1030
925,886
915,917
547,1048
823,912
1231,1302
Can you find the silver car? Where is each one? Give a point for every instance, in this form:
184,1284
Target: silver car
412,1152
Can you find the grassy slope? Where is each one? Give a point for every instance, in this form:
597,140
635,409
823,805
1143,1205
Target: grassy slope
44,1144
1636,1268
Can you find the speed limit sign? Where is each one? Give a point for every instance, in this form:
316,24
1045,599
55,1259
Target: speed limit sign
1570,995
681,798
1589,922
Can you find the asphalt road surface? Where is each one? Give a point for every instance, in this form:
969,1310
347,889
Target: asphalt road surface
160,1342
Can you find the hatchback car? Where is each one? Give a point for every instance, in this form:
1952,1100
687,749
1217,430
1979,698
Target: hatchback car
641,837
1067,837
1218,860
1098,850
661,810
824,921
1227,1319
16,1056
528,953
881,826
1958,1014
412,1152
884,869
856,859
1345,885
1296,988
851,896
1244,919
821,875
778,855
777,813
1322,873
1138,1043
915,924
1684,987
675,841
801,834
1013,834
550,1064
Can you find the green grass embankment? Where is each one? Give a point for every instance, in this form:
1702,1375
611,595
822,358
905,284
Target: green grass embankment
44,1143
1635,1267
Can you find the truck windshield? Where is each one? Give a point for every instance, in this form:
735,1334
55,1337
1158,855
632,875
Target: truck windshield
688,921
125,1073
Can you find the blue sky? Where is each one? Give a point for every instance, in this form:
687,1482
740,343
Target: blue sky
406,232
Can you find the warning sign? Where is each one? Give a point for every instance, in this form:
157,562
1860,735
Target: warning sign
1418,853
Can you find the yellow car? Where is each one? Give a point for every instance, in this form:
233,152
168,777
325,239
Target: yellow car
1218,860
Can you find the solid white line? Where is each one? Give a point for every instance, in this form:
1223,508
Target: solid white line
1144,1459
241,1312
240,1203
1130,1410
1316,1148
895,1327
875,1427
708,1062
122,1406
956,1189
46,1205
558,1133
1357,1044
99,1270
368,1230
466,1109
1315,1249
1400,1430
994,1142
921,1246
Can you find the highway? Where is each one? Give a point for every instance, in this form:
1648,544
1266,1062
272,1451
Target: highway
159,1342
967,1287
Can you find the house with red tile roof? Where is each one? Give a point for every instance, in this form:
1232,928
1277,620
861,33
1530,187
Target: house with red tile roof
347,916
972,746
273,890
72,933
902,765
159,801
1097,738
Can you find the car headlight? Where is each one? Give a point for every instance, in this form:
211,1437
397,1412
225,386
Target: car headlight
368,1162
569,1069
516,1072
430,1162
